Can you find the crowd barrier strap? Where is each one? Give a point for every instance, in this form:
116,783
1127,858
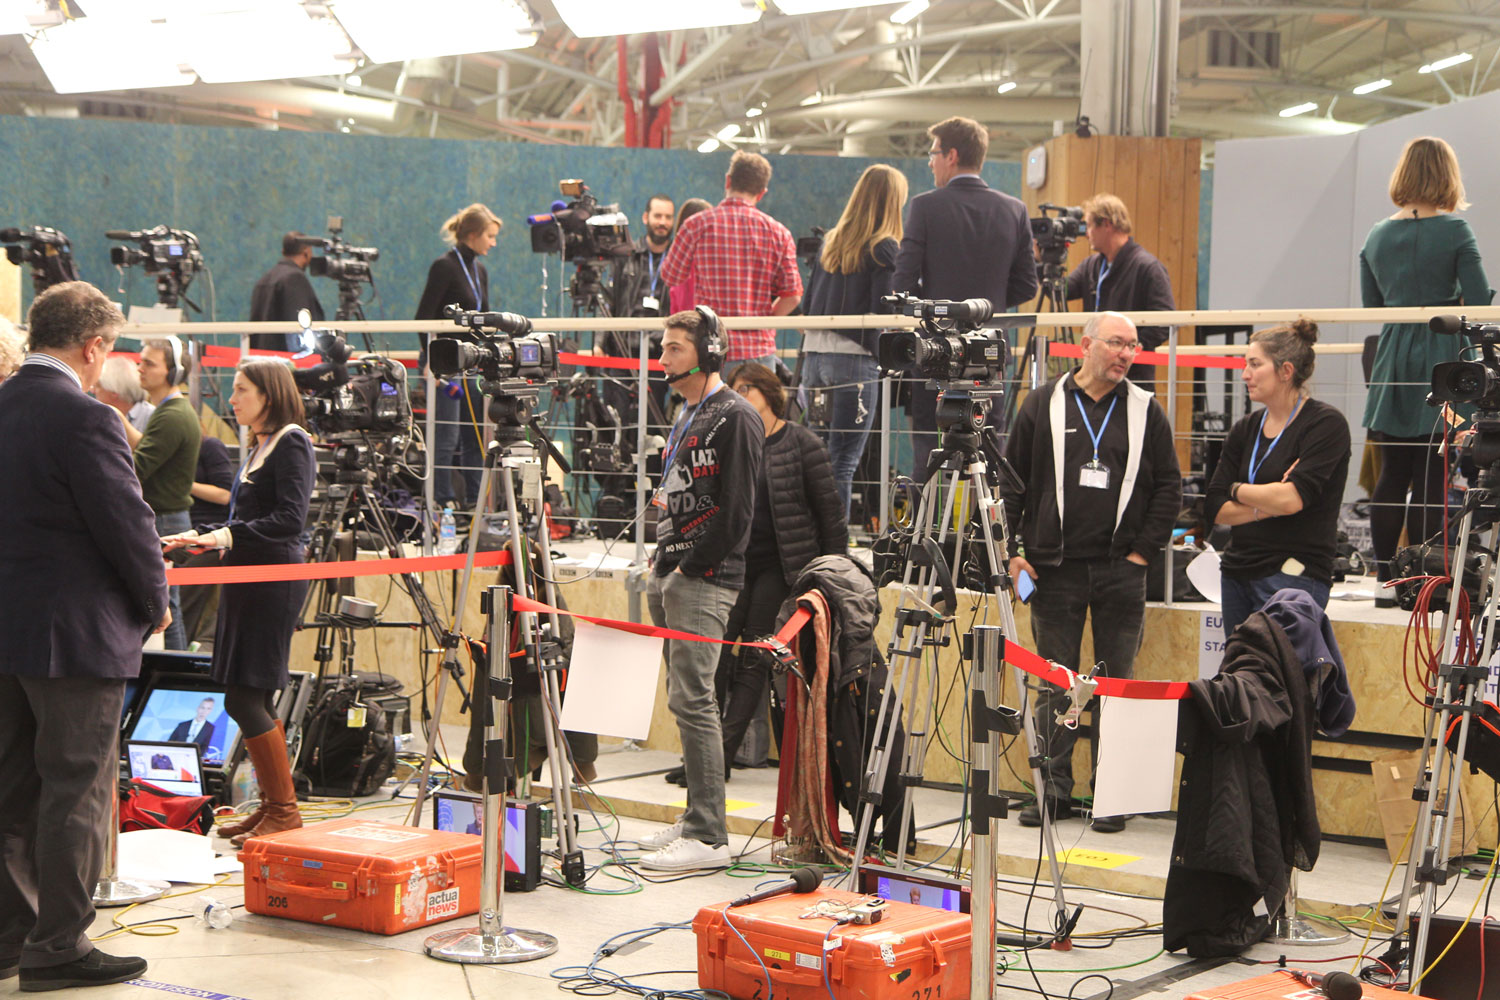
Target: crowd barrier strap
191,576
1063,350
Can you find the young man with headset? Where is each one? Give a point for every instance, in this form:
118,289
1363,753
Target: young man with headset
166,453
704,508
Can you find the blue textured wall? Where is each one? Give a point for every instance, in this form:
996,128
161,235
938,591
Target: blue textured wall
240,189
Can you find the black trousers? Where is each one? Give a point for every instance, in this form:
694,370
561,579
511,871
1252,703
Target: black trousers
59,766
1414,464
743,675
1112,593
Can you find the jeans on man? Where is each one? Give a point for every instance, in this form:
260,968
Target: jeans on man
1112,592
1242,598
853,382
174,523
689,604
454,433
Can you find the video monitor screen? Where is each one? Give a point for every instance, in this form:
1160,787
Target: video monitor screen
920,890
185,715
462,815
172,767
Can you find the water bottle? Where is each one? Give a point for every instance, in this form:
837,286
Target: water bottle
447,533
216,913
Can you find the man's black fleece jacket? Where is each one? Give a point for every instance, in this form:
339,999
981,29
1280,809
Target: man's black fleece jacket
708,489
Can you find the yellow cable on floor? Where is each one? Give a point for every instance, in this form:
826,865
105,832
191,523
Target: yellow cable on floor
161,926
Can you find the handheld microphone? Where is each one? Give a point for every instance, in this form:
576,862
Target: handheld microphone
802,880
1335,985
682,375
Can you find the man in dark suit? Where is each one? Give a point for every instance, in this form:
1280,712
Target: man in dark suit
964,240
82,583
281,292
197,729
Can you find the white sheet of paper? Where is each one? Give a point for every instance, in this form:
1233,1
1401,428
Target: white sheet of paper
1137,743
611,682
1203,572
171,856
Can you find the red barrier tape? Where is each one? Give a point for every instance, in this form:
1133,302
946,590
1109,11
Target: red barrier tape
184,576
1113,687
605,361
219,356
791,628
1155,357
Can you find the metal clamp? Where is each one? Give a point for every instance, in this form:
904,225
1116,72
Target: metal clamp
1080,692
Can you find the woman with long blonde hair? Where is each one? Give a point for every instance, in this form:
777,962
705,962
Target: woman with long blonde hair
850,277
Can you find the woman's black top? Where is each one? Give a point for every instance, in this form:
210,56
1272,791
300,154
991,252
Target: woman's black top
1317,439
854,294
805,516
447,284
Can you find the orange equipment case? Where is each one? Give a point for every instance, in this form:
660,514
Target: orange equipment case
1281,986
912,951
359,873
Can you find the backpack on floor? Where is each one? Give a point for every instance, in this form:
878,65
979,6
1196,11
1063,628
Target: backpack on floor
146,807
345,760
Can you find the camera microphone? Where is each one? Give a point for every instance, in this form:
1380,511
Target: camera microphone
802,880
1445,324
1335,985
120,234
10,235
559,209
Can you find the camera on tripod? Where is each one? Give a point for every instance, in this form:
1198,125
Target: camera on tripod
1476,382
172,255
342,397
581,229
503,348
1058,230
340,261
948,344
47,250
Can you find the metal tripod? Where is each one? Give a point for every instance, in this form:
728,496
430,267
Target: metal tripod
919,626
518,460
1457,691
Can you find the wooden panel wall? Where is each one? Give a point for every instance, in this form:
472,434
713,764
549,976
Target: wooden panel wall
1158,181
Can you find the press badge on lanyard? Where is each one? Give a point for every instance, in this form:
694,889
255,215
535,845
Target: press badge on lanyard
1094,475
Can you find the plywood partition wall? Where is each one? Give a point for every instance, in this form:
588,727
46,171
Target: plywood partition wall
1158,181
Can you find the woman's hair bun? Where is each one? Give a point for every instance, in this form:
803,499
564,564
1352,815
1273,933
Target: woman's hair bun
1306,331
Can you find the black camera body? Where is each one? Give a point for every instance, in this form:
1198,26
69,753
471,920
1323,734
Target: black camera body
340,261
583,230
1476,382
46,250
1061,228
948,344
372,399
159,249
500,348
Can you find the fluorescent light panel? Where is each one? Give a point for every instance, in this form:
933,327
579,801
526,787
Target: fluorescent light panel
270,41
596,18
819,6
388,31
708,145
87,55
728,131
13,16
1433,67
1299,109
754,112
1006,87
909,12
1372,86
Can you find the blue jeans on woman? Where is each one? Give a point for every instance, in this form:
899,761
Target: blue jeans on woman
1242,598
855,379
174,523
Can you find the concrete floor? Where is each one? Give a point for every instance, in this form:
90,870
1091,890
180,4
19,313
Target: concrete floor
266,958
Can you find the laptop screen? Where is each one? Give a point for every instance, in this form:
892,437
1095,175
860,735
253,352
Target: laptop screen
172,767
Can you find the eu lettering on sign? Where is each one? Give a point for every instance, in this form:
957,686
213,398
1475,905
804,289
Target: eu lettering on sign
1210,643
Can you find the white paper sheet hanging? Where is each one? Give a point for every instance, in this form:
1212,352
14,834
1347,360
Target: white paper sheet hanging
1203,573
611,682
1137,747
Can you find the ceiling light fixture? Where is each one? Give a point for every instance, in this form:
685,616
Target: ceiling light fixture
708,145
910,11
354,80
271,41
820,6
754,112
1006,87
1372,86
816,97
1299,109
386,31
596,18
1433,67
83,56
728,131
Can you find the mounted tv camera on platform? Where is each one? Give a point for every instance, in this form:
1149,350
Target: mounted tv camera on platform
1064,225
948,344
502,347
341,396
47,250
1475,382
171,255
581,229
340,261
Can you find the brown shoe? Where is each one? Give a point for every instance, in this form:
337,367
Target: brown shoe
248,823
278,795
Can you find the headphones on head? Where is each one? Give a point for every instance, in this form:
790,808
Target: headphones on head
174,359
711,342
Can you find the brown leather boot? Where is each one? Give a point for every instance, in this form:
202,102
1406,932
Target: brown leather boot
278,795
248,823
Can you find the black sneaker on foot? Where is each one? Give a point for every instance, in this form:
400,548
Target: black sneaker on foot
1108,824
676,776
93,969
1056,808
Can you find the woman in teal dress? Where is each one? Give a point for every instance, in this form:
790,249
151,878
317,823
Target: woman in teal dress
1421,256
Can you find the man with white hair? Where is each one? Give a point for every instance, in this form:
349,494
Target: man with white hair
120,387
1101,491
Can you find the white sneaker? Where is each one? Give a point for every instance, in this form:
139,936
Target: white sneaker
686,854
661,838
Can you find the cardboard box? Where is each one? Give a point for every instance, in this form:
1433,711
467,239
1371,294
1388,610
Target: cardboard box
1395,774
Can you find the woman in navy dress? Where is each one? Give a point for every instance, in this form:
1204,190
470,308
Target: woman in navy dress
267,514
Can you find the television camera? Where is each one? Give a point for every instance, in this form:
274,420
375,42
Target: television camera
173,256
512,362
948,344
47,250
1474,382
1057,231
343,397
348,265
581,229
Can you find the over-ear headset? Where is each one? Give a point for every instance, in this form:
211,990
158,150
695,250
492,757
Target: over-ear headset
711,345
173,357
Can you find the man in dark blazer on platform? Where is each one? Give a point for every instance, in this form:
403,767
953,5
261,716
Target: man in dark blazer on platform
964,240
83,584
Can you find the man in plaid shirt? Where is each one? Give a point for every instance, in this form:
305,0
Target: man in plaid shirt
740,261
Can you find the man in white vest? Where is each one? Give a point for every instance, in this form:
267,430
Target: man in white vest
1101,492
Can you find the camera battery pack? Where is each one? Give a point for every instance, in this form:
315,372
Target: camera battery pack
795,941
1281,986
370,876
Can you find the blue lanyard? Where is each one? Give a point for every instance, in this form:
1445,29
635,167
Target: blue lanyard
473,278
652,265
681,425
1255,450
1078,398
1099,285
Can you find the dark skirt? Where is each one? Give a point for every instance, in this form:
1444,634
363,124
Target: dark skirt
253,640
